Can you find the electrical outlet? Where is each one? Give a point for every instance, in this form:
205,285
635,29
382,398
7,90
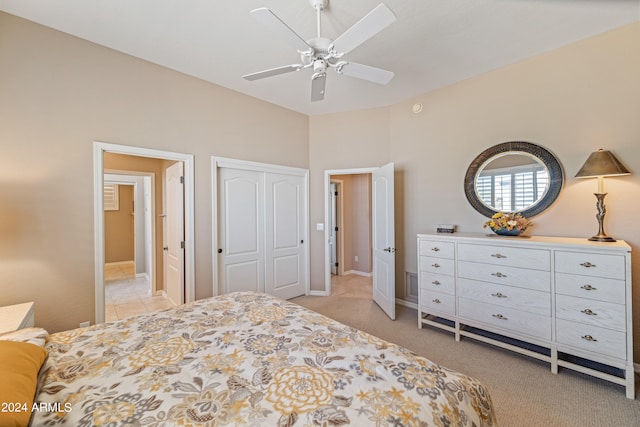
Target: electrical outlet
85,324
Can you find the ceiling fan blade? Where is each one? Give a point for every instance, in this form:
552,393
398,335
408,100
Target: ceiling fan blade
370,25
271,21
318,82
272,72
365,72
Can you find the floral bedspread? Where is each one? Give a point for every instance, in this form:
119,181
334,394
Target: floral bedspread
246,359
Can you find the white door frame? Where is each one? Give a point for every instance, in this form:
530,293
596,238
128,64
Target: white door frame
128,177
340,220
224,162
327,216
99,148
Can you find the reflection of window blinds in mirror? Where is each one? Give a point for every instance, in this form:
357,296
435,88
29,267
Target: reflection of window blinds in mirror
512,191
111,202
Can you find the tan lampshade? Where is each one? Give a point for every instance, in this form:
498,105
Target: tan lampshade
602,163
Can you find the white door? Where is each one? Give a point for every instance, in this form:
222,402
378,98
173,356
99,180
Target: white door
174,234
240,230
384,265
285,202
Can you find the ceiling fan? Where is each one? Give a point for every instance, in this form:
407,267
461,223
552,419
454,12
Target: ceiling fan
321,53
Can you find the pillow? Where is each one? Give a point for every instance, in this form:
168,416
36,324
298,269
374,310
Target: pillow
20,363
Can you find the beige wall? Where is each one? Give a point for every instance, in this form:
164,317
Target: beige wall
572,101
59,94
357,139
118,228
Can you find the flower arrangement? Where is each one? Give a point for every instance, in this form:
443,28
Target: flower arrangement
508,223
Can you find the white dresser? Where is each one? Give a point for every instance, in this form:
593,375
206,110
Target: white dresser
563,300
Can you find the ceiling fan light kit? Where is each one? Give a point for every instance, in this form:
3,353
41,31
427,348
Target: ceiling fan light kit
321,53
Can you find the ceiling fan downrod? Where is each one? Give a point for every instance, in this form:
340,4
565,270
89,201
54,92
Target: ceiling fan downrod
319,6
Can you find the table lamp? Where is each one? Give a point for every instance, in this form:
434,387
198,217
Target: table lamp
601,163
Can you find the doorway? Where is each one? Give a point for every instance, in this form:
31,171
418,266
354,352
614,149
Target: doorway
100,149
130,251
381,243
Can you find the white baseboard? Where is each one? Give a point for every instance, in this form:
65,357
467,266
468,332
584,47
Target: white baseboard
359,273
407,303
142,275
318,293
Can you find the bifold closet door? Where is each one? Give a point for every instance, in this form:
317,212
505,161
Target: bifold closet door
261,232
241,230
284,235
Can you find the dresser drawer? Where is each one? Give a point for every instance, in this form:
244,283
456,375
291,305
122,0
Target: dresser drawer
437,283
590,264
437,249
503,275
539,259
436,302
506,296
437,265
591,338
596,288
508,319
591,312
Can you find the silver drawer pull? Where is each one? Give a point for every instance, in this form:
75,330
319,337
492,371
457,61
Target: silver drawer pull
588,312
498,274
499,295
436,249
588,288
435,265
437,301
436,282
587,264
499,316
498,256
589,338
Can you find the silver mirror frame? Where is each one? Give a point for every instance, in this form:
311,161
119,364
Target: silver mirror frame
556,176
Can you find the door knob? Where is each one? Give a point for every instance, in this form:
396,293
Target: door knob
219,250
166,248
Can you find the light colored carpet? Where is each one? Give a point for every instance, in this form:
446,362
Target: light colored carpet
524,391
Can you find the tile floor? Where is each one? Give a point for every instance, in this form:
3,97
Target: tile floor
352,285
127,295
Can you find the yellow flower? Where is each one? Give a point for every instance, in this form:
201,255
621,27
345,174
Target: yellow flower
266,314
112,413
162,353
300,389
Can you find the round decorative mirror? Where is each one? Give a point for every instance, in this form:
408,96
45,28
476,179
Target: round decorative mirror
513,176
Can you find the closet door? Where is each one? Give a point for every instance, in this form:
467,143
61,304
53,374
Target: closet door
285,209
241,230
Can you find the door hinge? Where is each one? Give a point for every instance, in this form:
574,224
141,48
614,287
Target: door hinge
335,194
335,229
182,180
182,244
337,264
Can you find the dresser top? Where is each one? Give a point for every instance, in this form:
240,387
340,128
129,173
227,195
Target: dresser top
12,316
572,242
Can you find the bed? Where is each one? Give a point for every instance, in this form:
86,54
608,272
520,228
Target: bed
245,359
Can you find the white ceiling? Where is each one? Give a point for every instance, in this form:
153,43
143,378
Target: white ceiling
433,43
